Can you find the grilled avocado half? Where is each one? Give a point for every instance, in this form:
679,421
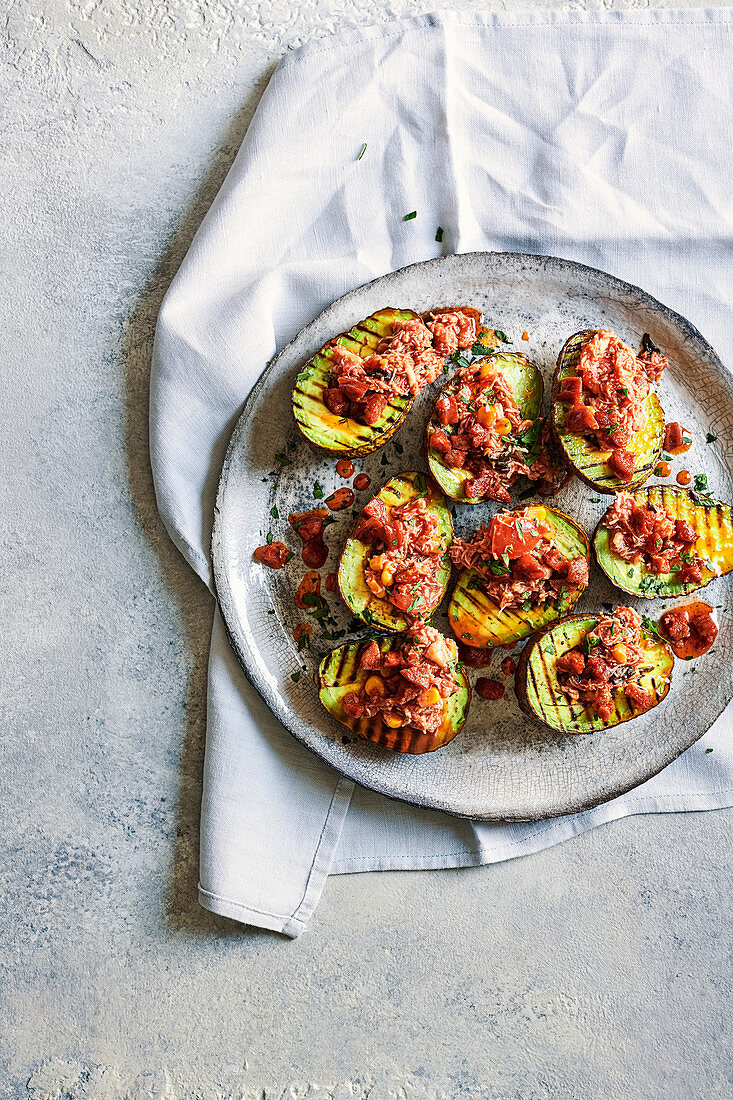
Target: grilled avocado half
341,435
360,600
477,620
339,674
712,523
525,382
582,455
539,692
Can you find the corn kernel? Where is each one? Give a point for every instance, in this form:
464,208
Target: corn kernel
375,588
374,686
619,653
392,720
388,575
486,415
429,698
376,562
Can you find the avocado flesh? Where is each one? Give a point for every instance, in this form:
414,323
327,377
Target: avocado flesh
360,600
338,675
714,528
342,435
539,692
525,382
583,456
476,620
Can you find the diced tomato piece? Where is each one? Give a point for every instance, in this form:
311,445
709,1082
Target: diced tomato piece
577,571
308,525
673,435
581,419
489,689
342,498
676,624
473,656
530,569
597,668
508,538
685,531
352,706
392,659
508,666
455,459
571,389
373,408
353,389
362,481
370,656
273,554
336,402
375,509
447,410
573,662
487,487
636,693
440,441
622,463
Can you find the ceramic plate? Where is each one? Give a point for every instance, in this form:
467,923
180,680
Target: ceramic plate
503,765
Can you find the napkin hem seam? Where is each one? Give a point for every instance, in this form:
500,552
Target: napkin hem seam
435,861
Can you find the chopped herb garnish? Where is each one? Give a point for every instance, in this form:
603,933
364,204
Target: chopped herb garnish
399,448
269,538
480,349
283,460
362,151
498,569
274,512
650,625
439,234
666,457
711,437
701,483
595,500
409,217
708,750
502,336
318,490
295,676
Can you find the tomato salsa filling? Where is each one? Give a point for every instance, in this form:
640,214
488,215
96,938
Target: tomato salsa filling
518,563
610,656
483,432
408,549
648,535
407,686
402,364
607,395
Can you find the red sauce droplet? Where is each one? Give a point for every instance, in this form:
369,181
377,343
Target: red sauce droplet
677,440
308,525
473,656
331,582
310,585
314,553
344,467
274,554
489,689
362,481
342,498
684,477
508,666
302,630
663,470
691,629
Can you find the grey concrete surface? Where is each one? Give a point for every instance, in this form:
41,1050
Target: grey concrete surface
596,970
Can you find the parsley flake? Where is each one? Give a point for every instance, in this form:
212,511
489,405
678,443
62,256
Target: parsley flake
318,490
439,234
362,151
410,217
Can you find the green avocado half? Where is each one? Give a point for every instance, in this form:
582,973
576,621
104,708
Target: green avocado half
524,381
477,620
360,600
539,692
712,523
583,456
338,675
341,435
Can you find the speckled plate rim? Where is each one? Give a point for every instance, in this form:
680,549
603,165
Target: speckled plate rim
222,591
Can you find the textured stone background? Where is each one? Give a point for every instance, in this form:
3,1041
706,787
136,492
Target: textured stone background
597,969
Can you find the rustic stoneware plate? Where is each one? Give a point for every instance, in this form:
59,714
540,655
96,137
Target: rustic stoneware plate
502,766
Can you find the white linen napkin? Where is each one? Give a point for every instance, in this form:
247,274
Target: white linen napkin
602,138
